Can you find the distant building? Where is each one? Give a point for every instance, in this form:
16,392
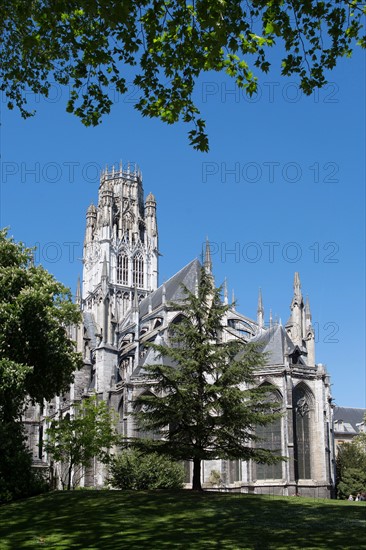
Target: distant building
348,422
124,308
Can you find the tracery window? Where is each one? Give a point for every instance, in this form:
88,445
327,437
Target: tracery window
122,269
138,271
301,422
271,439
141,432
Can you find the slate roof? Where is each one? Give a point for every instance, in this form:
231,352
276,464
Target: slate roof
350,417
275,342
173,289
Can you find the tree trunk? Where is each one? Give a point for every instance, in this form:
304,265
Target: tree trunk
69,478
196,482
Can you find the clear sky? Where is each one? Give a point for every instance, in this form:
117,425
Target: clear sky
281,190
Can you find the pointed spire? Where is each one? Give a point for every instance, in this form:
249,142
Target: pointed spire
226,300
308,317
260,310
307,307
208,261
78,292
150,303
233,299
297,286
270,318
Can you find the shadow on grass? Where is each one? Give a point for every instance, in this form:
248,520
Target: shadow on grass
118,520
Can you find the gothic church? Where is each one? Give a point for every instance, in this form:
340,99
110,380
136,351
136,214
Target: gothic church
123,308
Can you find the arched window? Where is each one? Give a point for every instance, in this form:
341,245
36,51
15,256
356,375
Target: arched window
122,269
270,438
301,402
138,271
173,333
140,431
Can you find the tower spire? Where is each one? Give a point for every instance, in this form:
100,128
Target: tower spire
260,310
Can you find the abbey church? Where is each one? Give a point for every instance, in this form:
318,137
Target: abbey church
124,307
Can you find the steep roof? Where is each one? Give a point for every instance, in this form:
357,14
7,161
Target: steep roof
173,287
347,418
275,342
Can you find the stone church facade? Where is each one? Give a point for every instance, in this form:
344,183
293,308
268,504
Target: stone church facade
123,308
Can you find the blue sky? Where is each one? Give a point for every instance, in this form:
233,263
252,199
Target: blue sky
281,190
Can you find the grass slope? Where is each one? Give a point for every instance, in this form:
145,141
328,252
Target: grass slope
125,520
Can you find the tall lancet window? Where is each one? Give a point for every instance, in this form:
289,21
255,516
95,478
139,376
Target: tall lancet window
301,417
122,269
271,438
138,271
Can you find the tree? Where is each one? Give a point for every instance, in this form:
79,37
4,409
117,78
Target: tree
204,403
161,47
37,358
351,469
76,441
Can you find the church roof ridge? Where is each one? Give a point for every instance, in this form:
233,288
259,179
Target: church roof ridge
186,275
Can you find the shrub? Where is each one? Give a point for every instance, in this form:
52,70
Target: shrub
133,470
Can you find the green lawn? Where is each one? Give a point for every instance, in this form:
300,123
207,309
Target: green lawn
128,520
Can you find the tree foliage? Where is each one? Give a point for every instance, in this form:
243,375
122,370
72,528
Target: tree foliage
95,47
37,358
151,471
74,442
17,477
202,401
351,469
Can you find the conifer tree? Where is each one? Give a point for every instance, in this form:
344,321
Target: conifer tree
202,402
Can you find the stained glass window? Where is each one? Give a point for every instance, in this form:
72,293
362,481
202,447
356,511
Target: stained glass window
301,417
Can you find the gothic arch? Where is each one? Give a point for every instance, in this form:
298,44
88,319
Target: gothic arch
143,433
171,329
138,270
271,436
302,411
122,268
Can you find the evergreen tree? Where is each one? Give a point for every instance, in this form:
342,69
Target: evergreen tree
204,403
